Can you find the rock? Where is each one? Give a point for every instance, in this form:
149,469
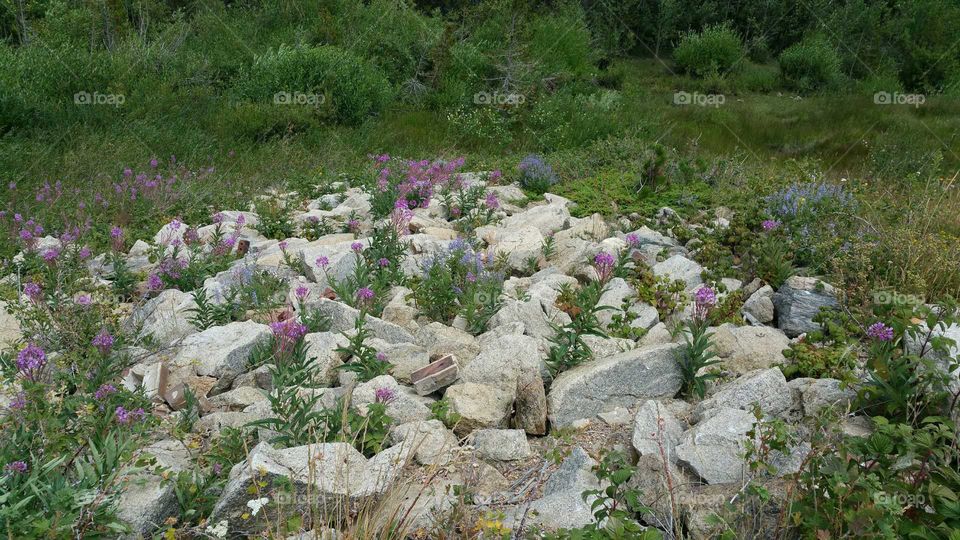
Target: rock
341,260
644,316
436,375
799,300
501,444
403,408
220,352
654,426
545,219
818,394
746,348
618,416
9,327
165,318
603,347
518,245
758,308
616,292
430,442
714,448
401,311
680,268
322,349
440,339
767,387
658,335
237,399
699,506
647,236
218,421
502,361
562,504
146,500
258,378
535,313
406,358
618,380
343,318
531,404
479,406
330,475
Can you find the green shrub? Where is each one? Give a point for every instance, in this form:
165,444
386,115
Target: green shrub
717,49
811,64
350,86
560,43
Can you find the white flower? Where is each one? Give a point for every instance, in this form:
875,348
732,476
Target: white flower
219,530
256,504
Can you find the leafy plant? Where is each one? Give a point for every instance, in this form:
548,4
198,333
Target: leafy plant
698,354
363,359
206,314
568,348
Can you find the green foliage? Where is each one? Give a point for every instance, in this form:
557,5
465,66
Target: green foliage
461,282
350,85
696,356
773,259
206,314
715,50
276,219
616,507
567,348
363,359
810,65
440,410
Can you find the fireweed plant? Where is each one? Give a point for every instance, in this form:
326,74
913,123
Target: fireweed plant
698,353
460,282
183,261
414,182
377,266
568,349
70,433
469,206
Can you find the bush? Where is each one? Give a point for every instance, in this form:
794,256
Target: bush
570,56
811,64
350,86
717,49
536,174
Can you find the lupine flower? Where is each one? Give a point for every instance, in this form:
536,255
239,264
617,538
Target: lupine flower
880,332
302,292
32,290
384,395
323,261
633,240
770,224
126,417
603,263
31,360
18,467
104,391
357,247
103,341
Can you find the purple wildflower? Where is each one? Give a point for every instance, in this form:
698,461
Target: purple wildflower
19,467
19,402
323,261
384,262
126,417
880,332
357,247
104,391
32,290
31,360
154,282
365,294
704,300
84,252
103,342
384,395
302,292
603,263
50,255
84,300
492,202
633,240
770,224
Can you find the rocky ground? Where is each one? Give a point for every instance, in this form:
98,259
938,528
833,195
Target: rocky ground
518,449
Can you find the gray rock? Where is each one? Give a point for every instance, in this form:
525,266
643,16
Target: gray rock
713,449
562,504
501,444
618,380
644,315
818,394
654,426
747,348
429,440
618,416
545,219
165,318
9,327
616,292
518,244
343,318
237,399
322,349
405,407
440,339
502,361
220,352
330,475
767,387
682,268
647,236
531,404
404,357
258,378
146,500
340,257
758,308
479,406
799,300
